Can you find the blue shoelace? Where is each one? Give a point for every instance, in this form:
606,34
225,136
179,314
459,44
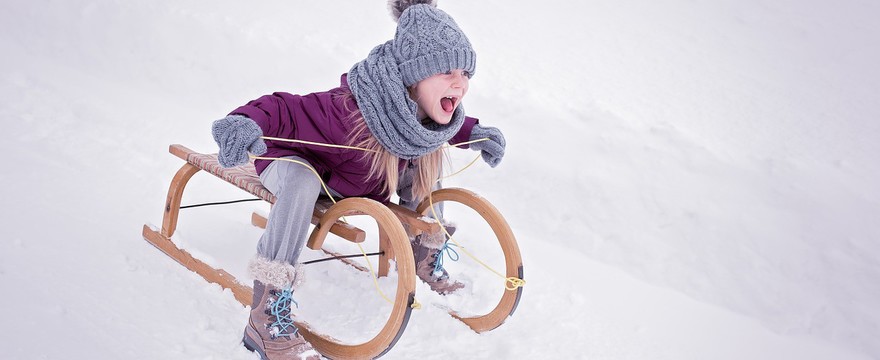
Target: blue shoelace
280,309
438,264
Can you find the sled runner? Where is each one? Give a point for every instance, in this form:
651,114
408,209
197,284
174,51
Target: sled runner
393,245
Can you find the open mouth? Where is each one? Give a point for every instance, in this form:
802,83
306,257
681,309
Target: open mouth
448,103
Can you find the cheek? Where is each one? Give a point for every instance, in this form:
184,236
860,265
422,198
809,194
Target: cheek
426,100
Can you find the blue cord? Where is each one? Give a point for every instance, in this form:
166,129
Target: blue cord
453,255
280,309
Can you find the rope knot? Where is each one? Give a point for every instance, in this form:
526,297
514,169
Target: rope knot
514,283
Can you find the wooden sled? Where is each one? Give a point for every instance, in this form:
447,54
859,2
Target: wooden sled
393,245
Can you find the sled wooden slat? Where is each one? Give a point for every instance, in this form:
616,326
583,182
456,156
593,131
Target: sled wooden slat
413,220
242,293
245,178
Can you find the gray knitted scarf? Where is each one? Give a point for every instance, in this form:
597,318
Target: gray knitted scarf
389,112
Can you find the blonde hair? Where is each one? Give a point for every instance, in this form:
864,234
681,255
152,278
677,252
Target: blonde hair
385,166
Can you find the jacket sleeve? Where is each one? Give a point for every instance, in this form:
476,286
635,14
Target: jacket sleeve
312,117
464,134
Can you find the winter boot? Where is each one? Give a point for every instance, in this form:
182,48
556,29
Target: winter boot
428,252
270,330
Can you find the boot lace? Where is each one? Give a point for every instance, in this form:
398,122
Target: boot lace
280,308
439,272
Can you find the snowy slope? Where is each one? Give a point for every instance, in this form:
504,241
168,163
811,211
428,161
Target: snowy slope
687,179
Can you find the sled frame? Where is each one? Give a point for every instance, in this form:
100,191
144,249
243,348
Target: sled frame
396,225
393,243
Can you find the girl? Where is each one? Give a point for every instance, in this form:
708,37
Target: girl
402,102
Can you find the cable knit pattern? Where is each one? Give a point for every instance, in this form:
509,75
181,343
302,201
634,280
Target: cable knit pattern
492,150
427,42
236,135
389,112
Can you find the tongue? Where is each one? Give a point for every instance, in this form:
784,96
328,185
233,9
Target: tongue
446,103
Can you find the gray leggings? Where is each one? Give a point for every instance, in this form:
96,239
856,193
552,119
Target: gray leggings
296,189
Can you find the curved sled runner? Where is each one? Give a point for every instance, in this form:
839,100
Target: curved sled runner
393,245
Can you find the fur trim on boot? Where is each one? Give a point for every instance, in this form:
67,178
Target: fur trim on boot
435,240
279,274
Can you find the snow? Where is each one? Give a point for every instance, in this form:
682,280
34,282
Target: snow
686,179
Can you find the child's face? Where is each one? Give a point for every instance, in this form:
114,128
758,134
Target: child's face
438,96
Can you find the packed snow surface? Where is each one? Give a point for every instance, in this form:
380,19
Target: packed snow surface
686,179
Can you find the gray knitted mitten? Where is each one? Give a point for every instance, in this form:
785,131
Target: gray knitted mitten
236,135
492,150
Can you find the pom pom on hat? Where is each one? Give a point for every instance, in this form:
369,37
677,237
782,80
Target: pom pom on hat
398,6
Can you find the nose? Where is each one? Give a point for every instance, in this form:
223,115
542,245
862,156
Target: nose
458,79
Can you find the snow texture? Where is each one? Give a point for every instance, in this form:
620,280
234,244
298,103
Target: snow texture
686,179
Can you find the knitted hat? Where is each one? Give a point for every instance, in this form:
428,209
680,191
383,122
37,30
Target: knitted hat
427,42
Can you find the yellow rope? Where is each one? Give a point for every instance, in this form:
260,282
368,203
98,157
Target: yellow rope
326,189
316,143
459,171
513,281
372,274
416,304
466,142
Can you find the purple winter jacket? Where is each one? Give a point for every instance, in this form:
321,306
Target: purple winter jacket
321,117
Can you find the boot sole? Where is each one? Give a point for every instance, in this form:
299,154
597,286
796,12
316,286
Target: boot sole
251,345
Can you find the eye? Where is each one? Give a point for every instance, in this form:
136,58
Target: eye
464,73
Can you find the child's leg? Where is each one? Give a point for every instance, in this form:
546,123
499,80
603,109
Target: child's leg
296,189
405,191
270,330
427,248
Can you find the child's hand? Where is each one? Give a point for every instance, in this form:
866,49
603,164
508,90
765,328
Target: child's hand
492,149
236,135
